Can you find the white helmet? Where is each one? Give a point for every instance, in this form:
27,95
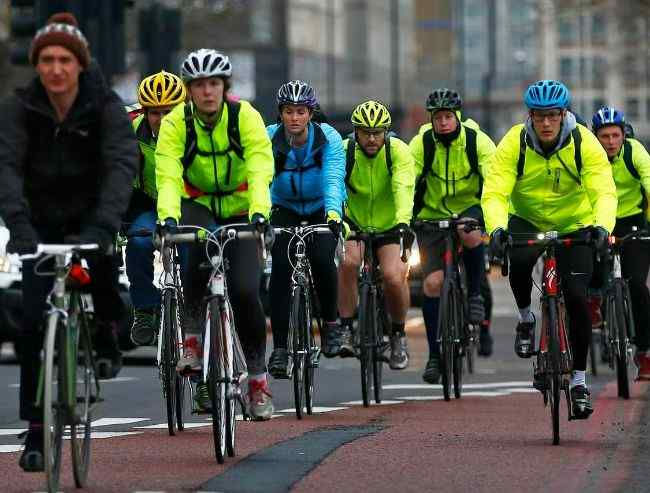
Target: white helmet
205,63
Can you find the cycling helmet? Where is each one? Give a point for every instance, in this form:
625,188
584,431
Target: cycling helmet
608,115
444,99
546,94
161,89
297,92
205,63
371,114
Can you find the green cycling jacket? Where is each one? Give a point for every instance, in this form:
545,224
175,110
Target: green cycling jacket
145,180
378,201
630,190
546,194
230,186
451,186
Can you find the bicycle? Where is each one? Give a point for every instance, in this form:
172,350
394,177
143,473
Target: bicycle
224,364
552,370
618,322
303,351
373,319
455,334
68,387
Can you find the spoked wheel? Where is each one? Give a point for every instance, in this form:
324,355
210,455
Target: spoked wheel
233,395
217,381
85,396
554,368
446,331
297,325
377,360
171,380
623,320
309,366
366,343
458,349
54,391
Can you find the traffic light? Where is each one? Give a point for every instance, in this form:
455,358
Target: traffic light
25,19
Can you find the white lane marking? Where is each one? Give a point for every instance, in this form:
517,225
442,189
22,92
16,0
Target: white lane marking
421,397
109,434
522,391
315,409
485,371
117,421
10,448
11,431
489,385
360,403
484,393
162,426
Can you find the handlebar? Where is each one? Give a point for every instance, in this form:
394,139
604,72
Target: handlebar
468,224
60,249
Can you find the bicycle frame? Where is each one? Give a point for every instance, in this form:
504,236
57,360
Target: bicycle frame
170,285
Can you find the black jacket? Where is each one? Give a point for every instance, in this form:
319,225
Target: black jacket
72,175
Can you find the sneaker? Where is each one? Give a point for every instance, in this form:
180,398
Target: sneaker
331,340
476,309
525,339
191,360
279,363
581,402
399,353
31,459
108,362
260,405
594,303
642,359
432,371
485,341
202,398
143,330
346,343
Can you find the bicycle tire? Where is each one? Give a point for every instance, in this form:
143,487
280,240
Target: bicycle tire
459,347
379,329
445,334
308,335
298,353
621,316
169,358
231,393
182,382
553,356
365,343
54,392
80,432
216,381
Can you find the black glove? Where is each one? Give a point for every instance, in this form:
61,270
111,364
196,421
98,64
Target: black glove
600,237
407,233
336,227
95,234
498,241
264,228
22,240
168,227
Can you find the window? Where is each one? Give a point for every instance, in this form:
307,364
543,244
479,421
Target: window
567,70
598,28
598,72
357,38
568,31
632,108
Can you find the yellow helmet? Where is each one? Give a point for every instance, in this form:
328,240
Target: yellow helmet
161,89
371,114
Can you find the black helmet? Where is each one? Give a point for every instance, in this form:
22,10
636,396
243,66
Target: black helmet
444,99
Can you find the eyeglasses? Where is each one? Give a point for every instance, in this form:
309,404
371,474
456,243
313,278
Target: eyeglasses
553,116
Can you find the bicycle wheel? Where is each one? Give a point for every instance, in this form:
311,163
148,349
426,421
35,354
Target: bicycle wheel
459,344
217,380
445,335
230,334
297,323
553,357
366,342
380,327
81,366
622,322
169,358
308,336
54,392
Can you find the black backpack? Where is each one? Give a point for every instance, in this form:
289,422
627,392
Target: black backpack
349,159
429,147
577,141
280,158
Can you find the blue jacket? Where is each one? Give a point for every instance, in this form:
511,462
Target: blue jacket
307,187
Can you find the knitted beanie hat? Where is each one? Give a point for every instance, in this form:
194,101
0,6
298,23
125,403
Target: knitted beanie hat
61,29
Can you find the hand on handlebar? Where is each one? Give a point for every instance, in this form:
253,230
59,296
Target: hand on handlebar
498,242
264,228
600,237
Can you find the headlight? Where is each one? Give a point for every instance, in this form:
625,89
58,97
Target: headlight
414,259
5,263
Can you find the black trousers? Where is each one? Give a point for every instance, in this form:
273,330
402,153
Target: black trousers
575,267
243,280
108,306
320,250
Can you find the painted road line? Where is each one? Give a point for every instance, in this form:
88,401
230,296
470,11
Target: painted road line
7,449
359,403
11,431
117,421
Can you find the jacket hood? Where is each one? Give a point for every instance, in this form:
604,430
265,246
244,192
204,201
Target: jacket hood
568,124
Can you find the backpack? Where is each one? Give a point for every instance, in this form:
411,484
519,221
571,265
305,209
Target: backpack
577,140
280,158
349,159
429,147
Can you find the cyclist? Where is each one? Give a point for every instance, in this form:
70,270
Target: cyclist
631,169
308,188
380,179
551,173
214,165
450,160
67,158
157,95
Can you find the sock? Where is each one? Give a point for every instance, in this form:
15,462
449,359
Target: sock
474,260
261,378
578,378
525,315
430,314
398,328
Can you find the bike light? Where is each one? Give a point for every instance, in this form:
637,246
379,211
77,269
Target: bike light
414,259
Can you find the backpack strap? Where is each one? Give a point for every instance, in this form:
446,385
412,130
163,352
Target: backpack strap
389,158
522,153
577,144
233,128
349,162
627,159
190,139
471,148
429,154
143,133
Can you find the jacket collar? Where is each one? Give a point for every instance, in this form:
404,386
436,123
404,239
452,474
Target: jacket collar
281,145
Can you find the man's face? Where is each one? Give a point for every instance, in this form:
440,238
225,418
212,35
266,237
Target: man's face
547,123
444,122
58,69
295,118
207,94
371,139
611,138
155,116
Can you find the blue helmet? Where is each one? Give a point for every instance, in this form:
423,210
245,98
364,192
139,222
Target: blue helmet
546,94
297,92
608,115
